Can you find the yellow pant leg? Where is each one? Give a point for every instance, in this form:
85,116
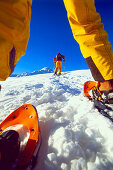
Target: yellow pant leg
58,66
14,33
56,69
89,32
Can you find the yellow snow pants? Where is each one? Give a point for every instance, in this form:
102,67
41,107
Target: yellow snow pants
14,33
86,26
89,32
58,67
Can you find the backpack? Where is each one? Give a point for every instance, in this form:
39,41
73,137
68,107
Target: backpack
59,57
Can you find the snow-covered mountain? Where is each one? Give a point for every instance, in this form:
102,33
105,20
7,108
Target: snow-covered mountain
42,71
74,135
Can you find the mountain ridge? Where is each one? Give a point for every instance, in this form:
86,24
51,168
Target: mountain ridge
42,71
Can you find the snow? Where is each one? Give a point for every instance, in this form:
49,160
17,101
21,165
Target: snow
74,135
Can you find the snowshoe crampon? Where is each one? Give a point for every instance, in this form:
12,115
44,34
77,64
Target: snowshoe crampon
19,139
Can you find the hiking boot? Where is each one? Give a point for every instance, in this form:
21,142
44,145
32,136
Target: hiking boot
9,148
55,73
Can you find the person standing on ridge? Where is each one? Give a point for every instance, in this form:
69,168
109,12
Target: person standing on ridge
58,61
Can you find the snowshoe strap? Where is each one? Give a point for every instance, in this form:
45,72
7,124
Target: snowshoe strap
90,85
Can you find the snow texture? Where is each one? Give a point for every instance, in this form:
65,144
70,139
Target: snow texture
74,135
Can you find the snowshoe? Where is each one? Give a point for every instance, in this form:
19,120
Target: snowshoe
103,100
55,73
58,74
105,97
19,139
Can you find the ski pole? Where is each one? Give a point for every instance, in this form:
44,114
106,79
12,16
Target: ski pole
64,66
54,66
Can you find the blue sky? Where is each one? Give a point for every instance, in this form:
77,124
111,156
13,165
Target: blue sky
50,33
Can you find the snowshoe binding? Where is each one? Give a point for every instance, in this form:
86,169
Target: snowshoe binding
103,100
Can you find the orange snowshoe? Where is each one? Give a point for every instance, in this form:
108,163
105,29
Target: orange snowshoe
19,138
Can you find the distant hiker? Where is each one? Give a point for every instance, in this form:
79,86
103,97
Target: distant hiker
58,61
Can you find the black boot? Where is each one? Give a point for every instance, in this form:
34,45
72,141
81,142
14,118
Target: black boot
9,148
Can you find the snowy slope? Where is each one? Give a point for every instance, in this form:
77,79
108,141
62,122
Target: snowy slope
74,135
